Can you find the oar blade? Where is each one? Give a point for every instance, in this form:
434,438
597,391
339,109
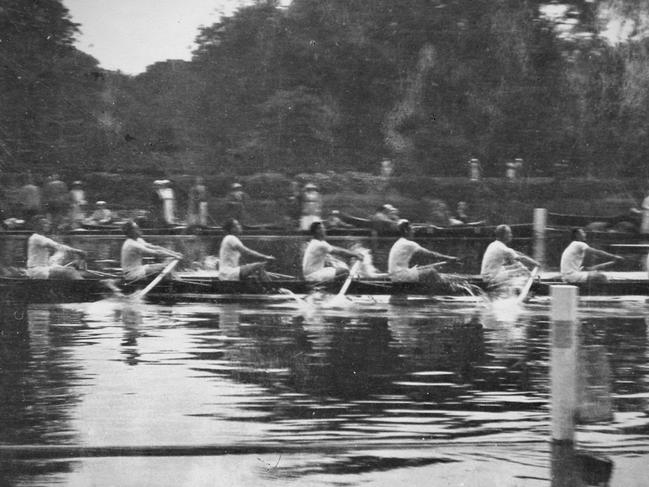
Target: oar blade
528,285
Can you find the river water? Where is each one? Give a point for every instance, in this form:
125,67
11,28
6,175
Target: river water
430,393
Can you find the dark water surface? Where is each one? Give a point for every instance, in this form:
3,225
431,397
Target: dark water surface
455,393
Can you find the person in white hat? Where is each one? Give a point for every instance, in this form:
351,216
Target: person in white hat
79,203
236,203
102,215
311,206
164,202
385,219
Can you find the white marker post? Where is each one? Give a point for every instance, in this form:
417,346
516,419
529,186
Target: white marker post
539,228
563,362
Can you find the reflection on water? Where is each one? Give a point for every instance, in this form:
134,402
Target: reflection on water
391,389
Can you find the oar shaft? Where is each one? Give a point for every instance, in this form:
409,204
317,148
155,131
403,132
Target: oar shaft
158,278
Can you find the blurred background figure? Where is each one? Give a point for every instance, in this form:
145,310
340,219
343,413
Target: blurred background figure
514,169
163,211
311,206
29,200
102,215
236,202
460,217
56,199
78,203
197,213
475,170
386,170
385,219
293,203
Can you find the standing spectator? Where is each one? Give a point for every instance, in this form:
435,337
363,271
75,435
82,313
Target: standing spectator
164,203
475,170
29,197
56,199
236,202
386,171
293,206
78,203
513,169
387,168
311,206
197,205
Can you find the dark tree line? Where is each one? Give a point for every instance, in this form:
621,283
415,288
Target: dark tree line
336,85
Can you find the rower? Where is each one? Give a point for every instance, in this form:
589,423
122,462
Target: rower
500,263
317,263
135,248
403,250
573,258
230,253
41,248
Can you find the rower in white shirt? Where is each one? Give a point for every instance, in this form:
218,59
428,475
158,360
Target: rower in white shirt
230,252
502,265
135,248
402,252
573,256
40,249
317,263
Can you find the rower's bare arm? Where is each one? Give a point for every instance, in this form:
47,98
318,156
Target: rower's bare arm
346,253
437,255
73,250
604,254
527,260
254,253
159,251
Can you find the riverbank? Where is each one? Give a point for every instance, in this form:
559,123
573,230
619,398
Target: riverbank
429,199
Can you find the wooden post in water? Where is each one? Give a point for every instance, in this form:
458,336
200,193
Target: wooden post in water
563,362
539,225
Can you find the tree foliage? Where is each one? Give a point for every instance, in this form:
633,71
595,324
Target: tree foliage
338,85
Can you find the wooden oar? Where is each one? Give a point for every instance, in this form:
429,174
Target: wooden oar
349,279
528,285
159,277
277,275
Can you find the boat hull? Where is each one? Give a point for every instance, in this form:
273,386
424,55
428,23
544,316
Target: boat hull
206,289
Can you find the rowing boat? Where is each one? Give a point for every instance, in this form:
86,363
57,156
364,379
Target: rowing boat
471,229
568,220
187,287
200,287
